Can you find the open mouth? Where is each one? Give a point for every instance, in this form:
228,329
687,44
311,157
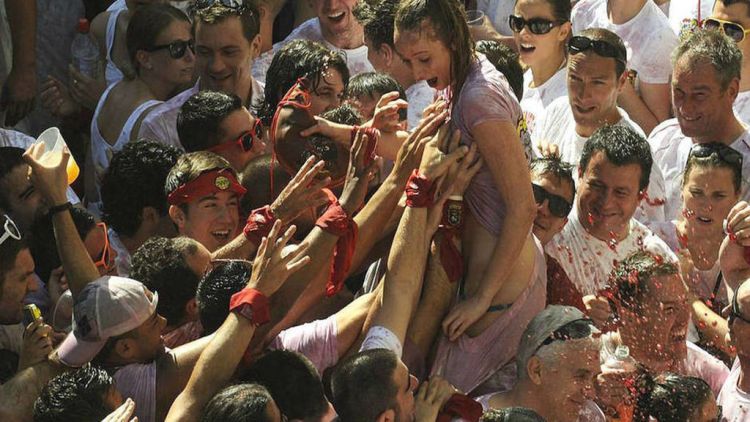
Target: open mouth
221,235
690,119
704,220
527,48
584,110
336,17
432,82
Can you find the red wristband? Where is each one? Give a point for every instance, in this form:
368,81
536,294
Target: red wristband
420,192
373,136
259,224
338,223
251,304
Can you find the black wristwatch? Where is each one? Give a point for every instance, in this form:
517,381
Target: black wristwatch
59,208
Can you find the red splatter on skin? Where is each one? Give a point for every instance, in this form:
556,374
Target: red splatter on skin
688,213
591,219
654,202
612,241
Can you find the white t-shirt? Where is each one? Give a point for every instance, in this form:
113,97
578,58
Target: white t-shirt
742,106
647,37
419,96
671,148
557,125
589,261
123,254
498,12
356,58
735,403
536,100
684,13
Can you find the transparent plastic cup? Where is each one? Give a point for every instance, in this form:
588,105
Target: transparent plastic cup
53,150
474,17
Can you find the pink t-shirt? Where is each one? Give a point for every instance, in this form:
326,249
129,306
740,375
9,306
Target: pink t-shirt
316,340
470,361
486,96
138,382
735,403
183,334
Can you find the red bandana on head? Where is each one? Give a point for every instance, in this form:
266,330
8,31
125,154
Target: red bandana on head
208,183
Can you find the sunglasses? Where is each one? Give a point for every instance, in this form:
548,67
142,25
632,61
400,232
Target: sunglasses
734,312
177,49
732,30
558,206
574,330
105,258
537,26
244,141
580,44
726,153
10,230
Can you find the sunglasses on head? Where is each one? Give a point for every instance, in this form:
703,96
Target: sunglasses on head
105,258
734,312
537,26
176,49
558,206
573,330
10,230
580,44
732,30
726,153
244,141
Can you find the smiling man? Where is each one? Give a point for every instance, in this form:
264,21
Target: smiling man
204,194
705,83
335,27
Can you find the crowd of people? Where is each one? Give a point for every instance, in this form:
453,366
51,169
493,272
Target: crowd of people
375,210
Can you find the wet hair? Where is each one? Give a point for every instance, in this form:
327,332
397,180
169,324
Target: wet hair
670,397
714,161
161,265
147,23
75,396
630,278
215,291
200,117
298,59
448,19
601,34
555,167
249,17
374,85
377,20
10,158
713,48
561,9
362,385
622,146
256,178
293,382
511,414
135,180
191,165
345,114
506,62
239,403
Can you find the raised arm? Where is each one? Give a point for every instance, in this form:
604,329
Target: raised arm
221,357
51,180
733,257
20,87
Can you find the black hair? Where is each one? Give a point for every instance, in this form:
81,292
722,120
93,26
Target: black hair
553,166
216,289
9,250
714,160
256,178
249,16
670,397
601,34
373,84
239,403
377,19
293,382
362,385
83,220
10,158
506,62
631,276
448,20
561,9
135,180
298,59
145,26
345,114
622,146
511,414
161,265
200,117
75,396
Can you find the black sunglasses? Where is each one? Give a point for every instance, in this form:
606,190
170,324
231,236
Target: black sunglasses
573,330
558,206
734,312
579,44
176,49
726,153
538,26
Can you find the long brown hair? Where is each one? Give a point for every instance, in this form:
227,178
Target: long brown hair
448,19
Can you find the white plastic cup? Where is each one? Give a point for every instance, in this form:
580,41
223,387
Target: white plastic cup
474,17
54,144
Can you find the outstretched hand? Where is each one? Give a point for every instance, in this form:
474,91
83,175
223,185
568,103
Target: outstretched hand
302,192
271,268
386,117
358,175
